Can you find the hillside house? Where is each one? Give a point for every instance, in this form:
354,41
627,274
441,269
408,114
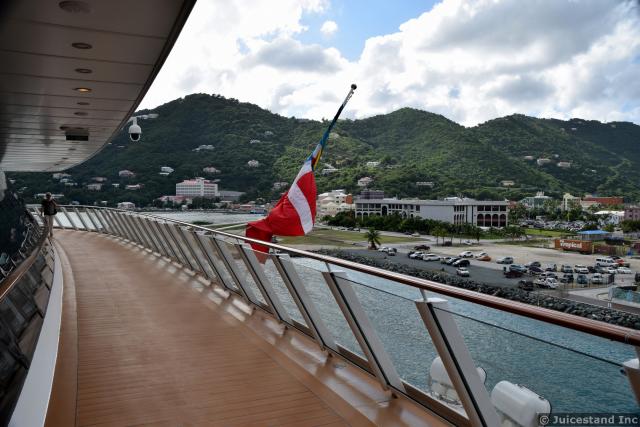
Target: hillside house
543,161
94,186
126,174
564,165
253,163
365,181
210,169
507,183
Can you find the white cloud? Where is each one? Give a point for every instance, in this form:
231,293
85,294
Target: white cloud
329,28
469,61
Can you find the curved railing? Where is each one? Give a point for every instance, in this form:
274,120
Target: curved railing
24,297
384,323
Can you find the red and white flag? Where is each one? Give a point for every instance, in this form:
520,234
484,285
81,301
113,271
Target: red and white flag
295,212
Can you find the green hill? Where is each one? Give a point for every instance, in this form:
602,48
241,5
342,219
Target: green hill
412,146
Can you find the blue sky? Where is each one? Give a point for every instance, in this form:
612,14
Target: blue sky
359,20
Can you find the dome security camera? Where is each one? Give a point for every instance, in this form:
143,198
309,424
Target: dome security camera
135,131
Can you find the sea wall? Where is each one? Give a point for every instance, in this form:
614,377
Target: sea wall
603,314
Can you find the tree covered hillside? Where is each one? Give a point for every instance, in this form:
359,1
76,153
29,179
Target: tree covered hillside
412,146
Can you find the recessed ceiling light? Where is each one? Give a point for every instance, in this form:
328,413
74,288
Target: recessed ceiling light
81,45
84,70
83,103
81,113
74,6
82,89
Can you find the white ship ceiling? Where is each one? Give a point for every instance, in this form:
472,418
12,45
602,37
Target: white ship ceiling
73,72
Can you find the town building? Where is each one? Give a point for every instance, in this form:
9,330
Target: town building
610,217
166,170
453,210
204,148
603,201
126,174
543,161
116,185
332,202
425,184
94,186
59,175
529,158
507,183
564,165
328,170
211,170
365,181
197,187
374,164
99,179
230,196
176,200
133,187
568,201
280,185
536,201
253,163
632,213
126,205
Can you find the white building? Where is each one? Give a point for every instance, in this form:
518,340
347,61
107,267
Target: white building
94,187
198,187
564,165
536,201
210,169
365,181
568,201
133,187
528,158
543,161
126,205
204,147
328,170
280,185
332,202
507,183
126,174
253,163
373,164
99,179
425,184
166,170
453,210
59,175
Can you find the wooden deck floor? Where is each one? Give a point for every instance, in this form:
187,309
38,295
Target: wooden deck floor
140,346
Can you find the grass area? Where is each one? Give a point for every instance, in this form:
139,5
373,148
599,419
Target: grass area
545,233
323,236
533,243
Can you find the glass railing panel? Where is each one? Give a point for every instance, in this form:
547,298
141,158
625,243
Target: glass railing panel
277,283
245,276
310,272
575,372
201,257
222,268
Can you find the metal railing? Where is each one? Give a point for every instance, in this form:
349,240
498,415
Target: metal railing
470,357
24,297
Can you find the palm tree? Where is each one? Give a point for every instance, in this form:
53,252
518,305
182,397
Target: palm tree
373,237
439,232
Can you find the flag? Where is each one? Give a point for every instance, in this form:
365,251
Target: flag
295,212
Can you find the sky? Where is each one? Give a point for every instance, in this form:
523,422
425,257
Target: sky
470,61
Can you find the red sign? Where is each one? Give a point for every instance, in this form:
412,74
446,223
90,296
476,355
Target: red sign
573,245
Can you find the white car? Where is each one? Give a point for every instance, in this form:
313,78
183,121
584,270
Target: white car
430,257
416,255
466,254
581,269
624,270
383,249
610,270
462,272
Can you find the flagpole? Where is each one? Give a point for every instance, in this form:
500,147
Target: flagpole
317,152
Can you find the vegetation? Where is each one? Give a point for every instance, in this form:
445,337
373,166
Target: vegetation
412,145
373,238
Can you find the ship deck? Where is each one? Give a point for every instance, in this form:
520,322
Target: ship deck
146,342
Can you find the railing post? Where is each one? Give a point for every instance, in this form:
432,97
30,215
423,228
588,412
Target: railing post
115,224
254,268
66,214
458,362
183,233
232,268
84,224
107,228
180,252
143,222
90,216
142,236
135,233
363,330
162,238
207,247
300,296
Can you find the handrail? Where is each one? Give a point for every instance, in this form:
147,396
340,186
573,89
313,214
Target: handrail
14,277
590,326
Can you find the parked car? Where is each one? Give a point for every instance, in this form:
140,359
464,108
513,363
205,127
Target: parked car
383,249
535,270
422,248
505,260
525,285
467,242
567,278
462,272
610,270
452,260
597,279
430,257
518,267
533,264
551,267
549,283
580,269
446,259
619,261
582,280
461,263
624,270
511,274
416,255
549,274
566,269
591,269
484,258
466,254
392,252
447,243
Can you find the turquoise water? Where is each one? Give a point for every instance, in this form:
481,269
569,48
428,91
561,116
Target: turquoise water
576,372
